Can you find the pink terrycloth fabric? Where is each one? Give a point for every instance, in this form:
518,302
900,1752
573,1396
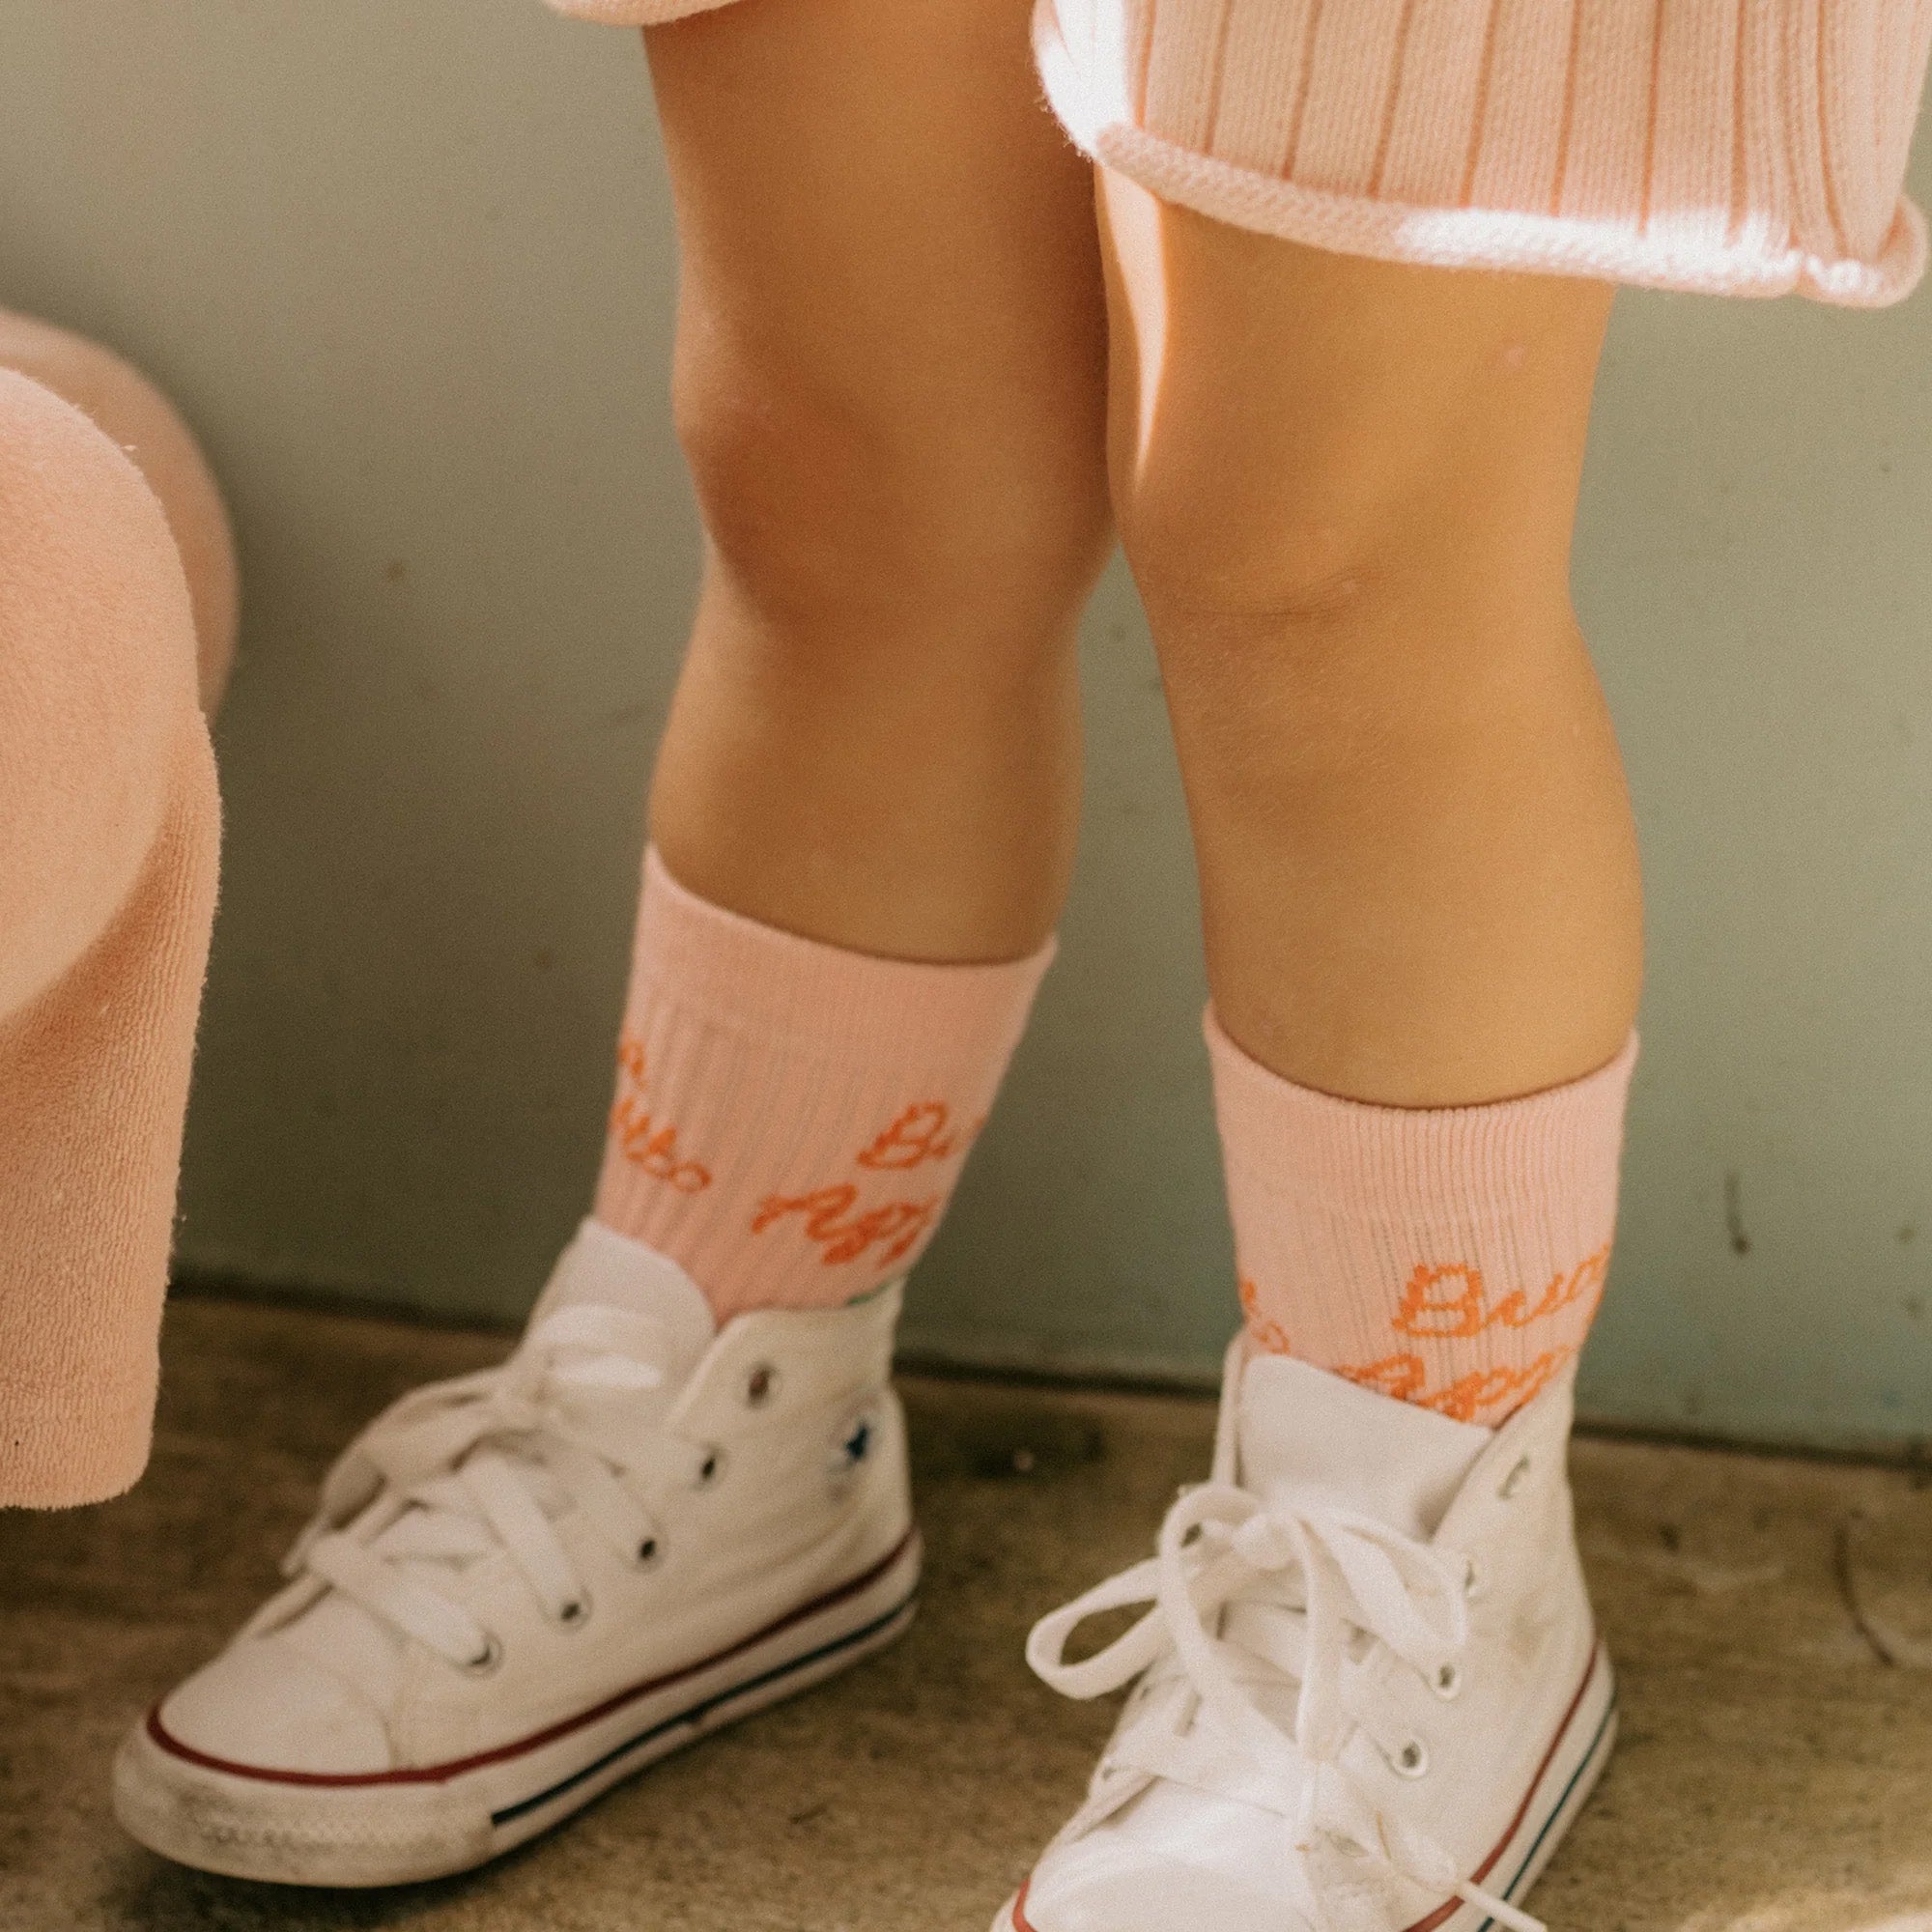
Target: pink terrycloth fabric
791,1118
109,825
116,398
1451,1257
1737,147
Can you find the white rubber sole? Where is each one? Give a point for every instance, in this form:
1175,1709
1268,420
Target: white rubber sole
1565,1782
425,1824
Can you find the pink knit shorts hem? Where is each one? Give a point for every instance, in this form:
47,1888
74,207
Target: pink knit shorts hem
1506,239
634,13
1728,147
1731,147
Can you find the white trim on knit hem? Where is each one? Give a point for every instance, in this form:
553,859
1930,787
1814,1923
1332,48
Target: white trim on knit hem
1500,239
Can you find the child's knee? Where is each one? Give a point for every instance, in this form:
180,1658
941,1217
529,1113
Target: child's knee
97,671
817,498
1284,569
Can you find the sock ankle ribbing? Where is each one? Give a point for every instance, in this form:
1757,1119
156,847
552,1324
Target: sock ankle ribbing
1450,1256
791,1118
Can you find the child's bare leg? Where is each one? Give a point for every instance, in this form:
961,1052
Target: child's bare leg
1347,490
890,382
890,386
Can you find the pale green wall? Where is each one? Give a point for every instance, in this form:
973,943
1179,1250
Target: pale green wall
409,269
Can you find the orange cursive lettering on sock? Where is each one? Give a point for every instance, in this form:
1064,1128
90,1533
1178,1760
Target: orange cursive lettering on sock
1450,1304
639,1138
1267,1333
1406,1379
919,1134
845,1235
631,1058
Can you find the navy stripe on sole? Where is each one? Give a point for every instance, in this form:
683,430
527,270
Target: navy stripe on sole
698,1712
1557,1809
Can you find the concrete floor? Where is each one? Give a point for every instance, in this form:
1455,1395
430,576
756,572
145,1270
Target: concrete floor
1772,1621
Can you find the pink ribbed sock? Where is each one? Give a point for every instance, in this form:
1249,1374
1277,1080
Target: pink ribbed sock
791,1118
1451,1257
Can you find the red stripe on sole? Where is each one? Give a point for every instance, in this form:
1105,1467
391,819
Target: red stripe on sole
1450,1907
440,1774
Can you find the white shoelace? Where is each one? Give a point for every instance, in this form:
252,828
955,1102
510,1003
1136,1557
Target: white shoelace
462,1468
1319,1579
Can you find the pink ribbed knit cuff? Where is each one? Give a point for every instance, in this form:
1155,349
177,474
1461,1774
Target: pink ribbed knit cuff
745,978
1447,1256
791,1118
1470,1164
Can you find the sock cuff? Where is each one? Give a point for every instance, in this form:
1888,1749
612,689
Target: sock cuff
1477,1164
740,976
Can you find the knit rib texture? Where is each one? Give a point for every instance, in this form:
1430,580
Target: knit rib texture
791,1118
1452,1257
1738,146
122,402
632,12
108,875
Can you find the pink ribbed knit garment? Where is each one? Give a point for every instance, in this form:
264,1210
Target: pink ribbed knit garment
117,399
108,830
633,13
1738,146
1451,1257
791,1118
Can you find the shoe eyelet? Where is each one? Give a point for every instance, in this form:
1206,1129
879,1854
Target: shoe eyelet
1447,1683
1411,1760
486,1661
649,1555
1513,1482
576,1613
711,1469
760,1385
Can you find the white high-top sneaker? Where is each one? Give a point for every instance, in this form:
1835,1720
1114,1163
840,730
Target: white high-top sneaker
1371,1697
523,1585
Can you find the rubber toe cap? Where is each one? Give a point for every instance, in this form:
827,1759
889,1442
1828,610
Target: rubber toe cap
262,1706
1172,1857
